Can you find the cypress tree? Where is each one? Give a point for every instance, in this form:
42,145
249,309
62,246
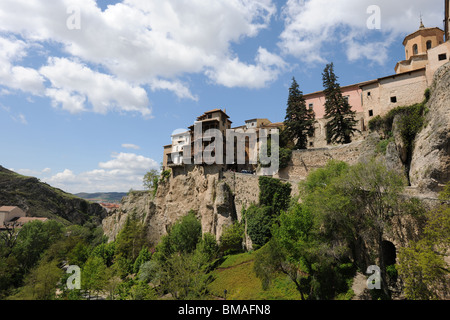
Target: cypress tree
299,121
341,125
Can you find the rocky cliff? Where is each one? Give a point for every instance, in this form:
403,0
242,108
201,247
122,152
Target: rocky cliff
210,197
218,198
430,165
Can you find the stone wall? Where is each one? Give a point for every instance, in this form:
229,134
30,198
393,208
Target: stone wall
305,161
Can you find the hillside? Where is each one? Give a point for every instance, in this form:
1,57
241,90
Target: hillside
41,200
110,197
236,275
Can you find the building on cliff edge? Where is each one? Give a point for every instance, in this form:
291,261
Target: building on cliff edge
426,50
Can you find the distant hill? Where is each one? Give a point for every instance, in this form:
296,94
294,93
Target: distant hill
39,199
109,197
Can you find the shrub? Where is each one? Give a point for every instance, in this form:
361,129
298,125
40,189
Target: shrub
274,193
232,238
259,223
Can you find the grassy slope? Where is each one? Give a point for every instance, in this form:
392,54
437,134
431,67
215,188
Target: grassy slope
236,275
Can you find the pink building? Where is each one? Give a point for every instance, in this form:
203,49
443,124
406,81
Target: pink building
316,100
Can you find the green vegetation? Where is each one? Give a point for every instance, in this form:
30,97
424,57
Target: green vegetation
302,251
341,119
299,120
421,264
274,197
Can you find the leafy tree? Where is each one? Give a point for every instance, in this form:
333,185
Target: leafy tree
208,247
34,238
184,277
142,291
274,193
144,256
186,233
232,238
150,179
341,119
94,275
299,120
106,251
40,283
422,267
130,240
259,223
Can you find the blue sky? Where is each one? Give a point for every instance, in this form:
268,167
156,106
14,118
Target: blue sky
90,91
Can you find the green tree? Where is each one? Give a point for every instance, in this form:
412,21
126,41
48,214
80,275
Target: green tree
144,256
232,238
274,193
299,120
259,223
208,247
34,238
94,276
41,282
130,240
341,119
150,179
186,233
422,267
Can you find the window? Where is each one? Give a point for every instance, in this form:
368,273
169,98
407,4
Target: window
311,106
368,94
394,99
370,113
443,57
311,144
346,98
428,44
415,49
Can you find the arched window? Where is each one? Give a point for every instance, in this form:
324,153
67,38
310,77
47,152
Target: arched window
415,49
429,44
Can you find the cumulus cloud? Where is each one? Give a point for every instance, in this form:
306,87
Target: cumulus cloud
73,83
14,76
313,26
119,174
138,44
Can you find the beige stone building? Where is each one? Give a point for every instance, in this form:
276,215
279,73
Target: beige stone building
11,215
426,50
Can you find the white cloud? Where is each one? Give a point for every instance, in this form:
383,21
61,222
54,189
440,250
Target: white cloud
17,77
139,43
313,27
130,146
232,73
123,172
73,83
29,172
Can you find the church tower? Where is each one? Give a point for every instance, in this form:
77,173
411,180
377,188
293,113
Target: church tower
417,45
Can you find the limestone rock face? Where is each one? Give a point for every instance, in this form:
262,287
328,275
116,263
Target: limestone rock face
210,199
430,166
